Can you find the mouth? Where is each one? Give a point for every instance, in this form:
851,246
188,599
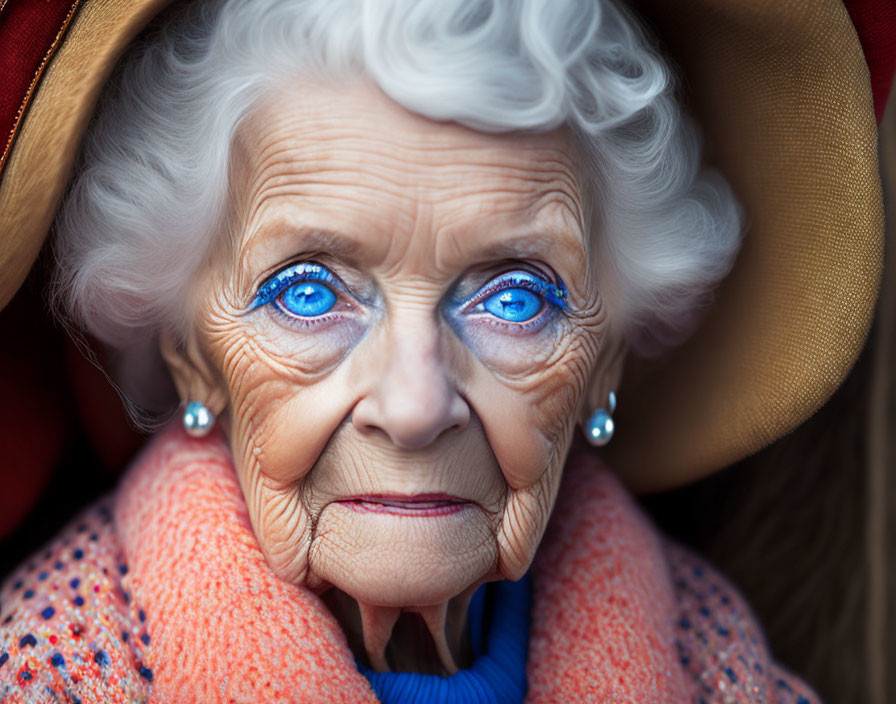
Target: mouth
418,505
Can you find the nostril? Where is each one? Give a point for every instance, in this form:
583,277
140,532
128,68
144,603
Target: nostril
369,429
460,413
410,423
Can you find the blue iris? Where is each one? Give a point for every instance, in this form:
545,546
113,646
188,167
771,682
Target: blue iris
308,299
516,305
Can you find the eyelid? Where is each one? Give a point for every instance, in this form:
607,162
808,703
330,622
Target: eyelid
554,293
286,277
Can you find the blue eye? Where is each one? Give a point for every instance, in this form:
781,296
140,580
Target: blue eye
515,305
308,299
518,297
303,290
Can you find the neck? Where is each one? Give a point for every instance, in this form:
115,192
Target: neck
425,639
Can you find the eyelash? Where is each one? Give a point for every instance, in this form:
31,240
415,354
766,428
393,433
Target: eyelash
553,295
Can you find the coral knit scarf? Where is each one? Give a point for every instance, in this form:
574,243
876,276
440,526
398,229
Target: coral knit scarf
181,606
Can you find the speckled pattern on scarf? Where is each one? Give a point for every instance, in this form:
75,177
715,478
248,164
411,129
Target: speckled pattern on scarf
160,594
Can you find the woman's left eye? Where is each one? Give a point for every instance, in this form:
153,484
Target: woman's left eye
518,297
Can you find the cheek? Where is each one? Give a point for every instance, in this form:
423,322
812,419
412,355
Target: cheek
531,453
280,421
529,423
529,419
281,415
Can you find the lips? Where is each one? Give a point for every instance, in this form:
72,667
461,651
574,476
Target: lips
418,505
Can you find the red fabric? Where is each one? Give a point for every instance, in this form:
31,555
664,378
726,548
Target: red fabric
875,22
49,395
29,31
34,407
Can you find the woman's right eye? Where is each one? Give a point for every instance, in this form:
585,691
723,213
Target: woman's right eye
305,290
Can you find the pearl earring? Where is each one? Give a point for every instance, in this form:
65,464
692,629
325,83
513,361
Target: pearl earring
198,420
600,426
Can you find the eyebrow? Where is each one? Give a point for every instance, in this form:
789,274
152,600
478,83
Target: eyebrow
310,239
534,245
301,241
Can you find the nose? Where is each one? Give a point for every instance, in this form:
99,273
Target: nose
412,399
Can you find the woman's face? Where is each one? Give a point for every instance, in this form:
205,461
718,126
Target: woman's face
402,339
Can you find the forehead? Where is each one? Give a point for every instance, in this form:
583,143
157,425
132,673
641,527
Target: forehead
391,186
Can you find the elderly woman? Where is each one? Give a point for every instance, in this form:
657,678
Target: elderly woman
387,256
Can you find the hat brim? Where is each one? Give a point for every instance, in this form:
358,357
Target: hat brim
783,94
52,119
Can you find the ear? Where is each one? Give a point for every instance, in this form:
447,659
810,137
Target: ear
194,376
606,375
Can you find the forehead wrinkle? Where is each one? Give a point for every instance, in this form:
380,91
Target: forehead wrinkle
532,214
548,231
409,173
396,179
316,139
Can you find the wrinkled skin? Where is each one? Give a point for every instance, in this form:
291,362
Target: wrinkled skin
398,390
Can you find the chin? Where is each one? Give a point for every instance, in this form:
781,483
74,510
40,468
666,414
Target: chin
403,561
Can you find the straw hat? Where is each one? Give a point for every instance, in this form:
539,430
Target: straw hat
782,91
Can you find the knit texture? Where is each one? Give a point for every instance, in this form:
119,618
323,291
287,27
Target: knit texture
161,594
